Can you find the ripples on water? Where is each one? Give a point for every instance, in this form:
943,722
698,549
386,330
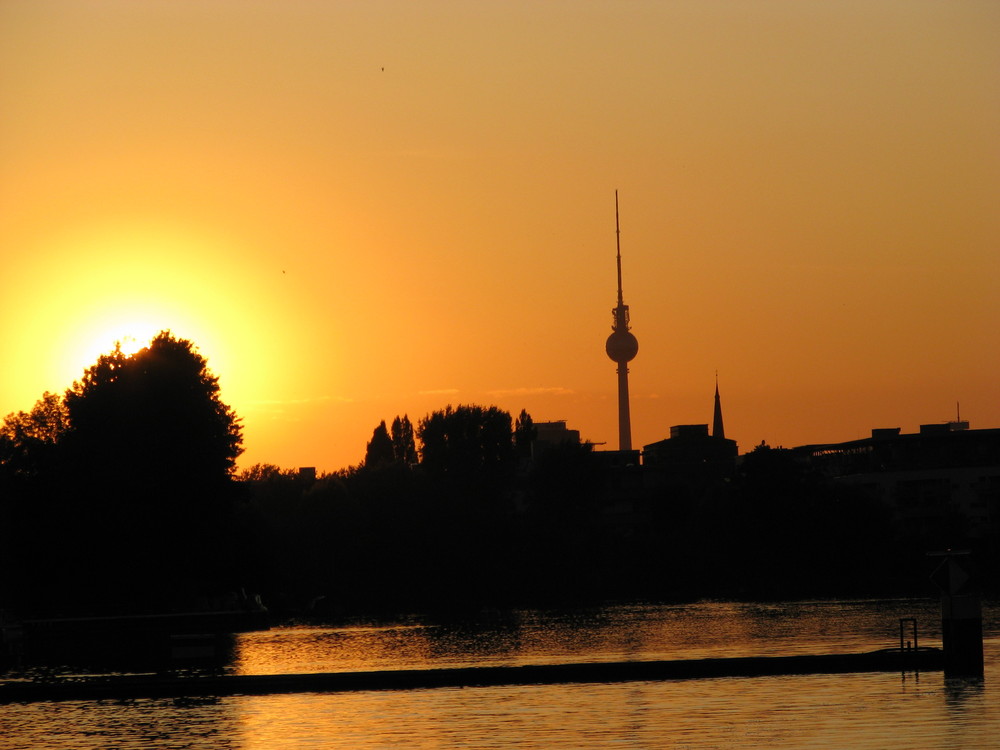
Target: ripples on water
696,631
875,710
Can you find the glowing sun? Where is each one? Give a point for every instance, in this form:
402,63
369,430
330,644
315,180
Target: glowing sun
129,335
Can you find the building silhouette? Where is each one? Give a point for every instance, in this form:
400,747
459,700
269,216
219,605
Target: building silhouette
548,435
944,478
691,454
718,431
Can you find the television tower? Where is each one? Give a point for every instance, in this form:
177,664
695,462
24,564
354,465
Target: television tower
622,347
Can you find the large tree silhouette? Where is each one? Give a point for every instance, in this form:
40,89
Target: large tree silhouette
466,441
141,514
154,416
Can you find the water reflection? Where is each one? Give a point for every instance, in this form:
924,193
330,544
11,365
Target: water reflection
704,630
824,711
203,724
308,649
961,693
855,710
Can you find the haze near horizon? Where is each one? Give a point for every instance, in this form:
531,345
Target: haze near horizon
363,210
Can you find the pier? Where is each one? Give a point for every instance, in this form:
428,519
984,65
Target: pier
159,686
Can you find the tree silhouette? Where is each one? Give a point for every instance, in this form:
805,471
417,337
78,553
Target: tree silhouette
153,416
262,472
466,440
403,444
524,434
28,440
31,523
151,450
379,449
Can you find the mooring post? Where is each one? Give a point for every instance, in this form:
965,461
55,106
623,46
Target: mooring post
961,614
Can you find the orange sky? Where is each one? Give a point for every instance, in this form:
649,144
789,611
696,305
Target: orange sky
358,210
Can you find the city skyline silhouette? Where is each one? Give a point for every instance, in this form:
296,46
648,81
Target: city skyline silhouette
369,213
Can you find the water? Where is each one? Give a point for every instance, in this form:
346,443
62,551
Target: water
874,710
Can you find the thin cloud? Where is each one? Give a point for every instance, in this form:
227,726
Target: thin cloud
439,392
282,402
536,391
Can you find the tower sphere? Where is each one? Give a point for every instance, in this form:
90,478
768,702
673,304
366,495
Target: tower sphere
622,346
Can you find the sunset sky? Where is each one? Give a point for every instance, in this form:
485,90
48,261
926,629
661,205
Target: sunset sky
363,209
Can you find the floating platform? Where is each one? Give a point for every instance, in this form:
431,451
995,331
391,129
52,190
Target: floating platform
158,686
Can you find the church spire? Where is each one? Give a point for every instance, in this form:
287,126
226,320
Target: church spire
718,431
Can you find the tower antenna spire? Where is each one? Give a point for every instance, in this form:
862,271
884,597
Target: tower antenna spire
618,248
621,347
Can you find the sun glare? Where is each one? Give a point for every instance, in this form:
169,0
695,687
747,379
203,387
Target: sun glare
129,337
101,334
139,286
126,281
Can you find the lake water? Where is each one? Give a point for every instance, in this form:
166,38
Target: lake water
875,710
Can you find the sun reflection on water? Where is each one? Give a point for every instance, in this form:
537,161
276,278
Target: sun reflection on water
639,632
866,711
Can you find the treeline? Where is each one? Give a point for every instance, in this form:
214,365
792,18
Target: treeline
121,495
562,529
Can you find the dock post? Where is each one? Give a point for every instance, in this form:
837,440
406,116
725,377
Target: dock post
961,614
